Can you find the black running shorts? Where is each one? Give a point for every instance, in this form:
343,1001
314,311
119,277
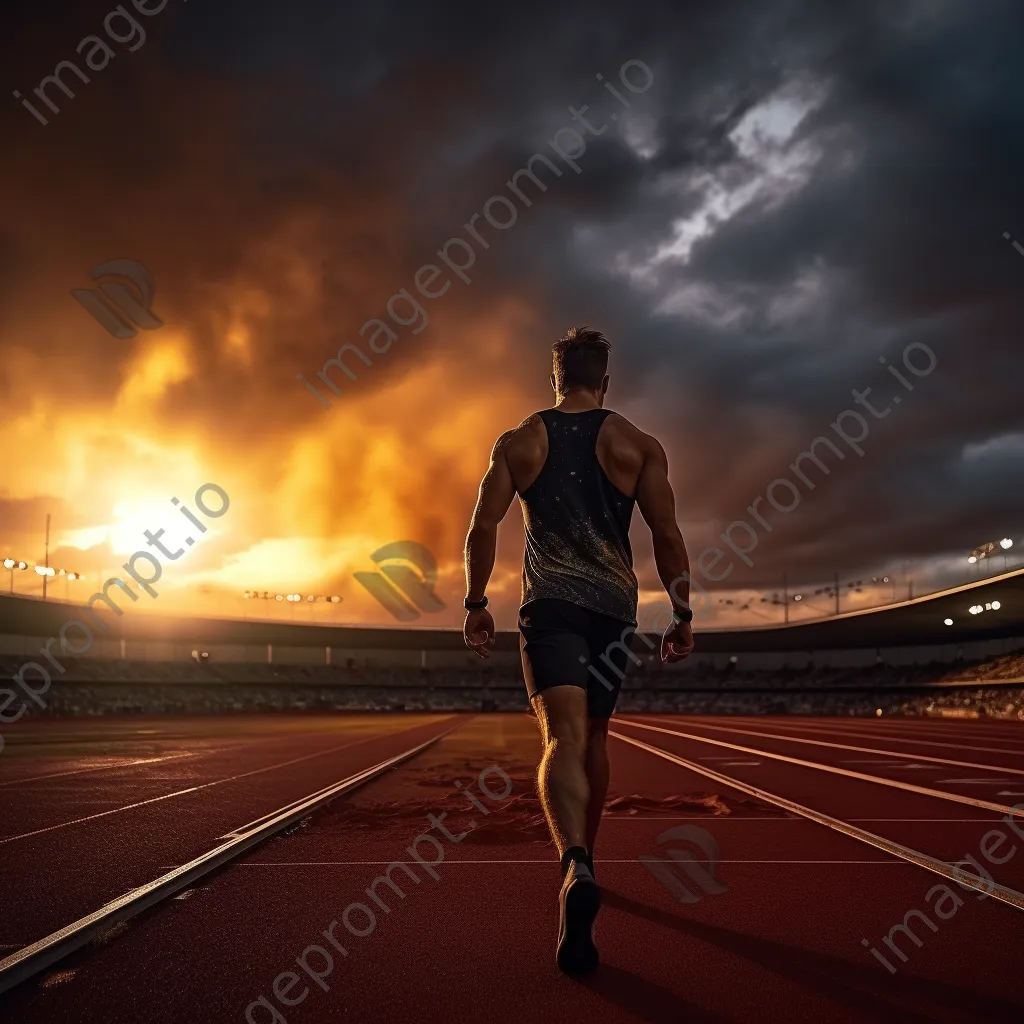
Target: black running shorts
565,645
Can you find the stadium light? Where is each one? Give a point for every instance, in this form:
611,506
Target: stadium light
996,606
291,598
948,622
9,563
1006,543
798,597
972,559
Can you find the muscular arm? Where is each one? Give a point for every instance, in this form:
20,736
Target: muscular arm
657,505
496,493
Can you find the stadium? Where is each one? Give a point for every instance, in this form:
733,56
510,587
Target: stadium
922,683
901,658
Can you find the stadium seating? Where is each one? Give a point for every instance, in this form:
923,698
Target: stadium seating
91,686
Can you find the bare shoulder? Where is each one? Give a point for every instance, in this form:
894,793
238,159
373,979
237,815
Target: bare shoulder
532,425
647,445
521,439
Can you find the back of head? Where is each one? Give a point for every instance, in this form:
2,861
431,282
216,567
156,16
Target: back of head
580,360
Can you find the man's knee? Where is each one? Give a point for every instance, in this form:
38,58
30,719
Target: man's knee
568,735
564,711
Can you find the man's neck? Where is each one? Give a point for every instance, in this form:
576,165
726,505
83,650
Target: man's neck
578,401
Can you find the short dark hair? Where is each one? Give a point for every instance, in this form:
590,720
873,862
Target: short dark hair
580,359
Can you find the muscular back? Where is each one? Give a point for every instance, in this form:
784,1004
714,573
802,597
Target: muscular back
578,494
621,451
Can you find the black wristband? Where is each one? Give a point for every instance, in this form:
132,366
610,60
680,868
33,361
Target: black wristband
475,606
683,614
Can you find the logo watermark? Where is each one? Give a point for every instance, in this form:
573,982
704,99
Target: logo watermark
121,310
404,580
699,871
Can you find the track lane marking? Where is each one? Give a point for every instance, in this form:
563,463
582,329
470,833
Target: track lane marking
890,726
168,757
1008,729
35,958
205,785
902,755
964,878
548,861
99,768
832,769
842,731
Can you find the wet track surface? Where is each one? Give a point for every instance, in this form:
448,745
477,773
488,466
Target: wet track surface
469,933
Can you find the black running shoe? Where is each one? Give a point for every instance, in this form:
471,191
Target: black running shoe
578,904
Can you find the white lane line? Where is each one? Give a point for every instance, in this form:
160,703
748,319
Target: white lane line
170,757
998,729
903,755
100,814
99,768
833,770
890,764
29,961
195,789
964,879
727,818
548,861
976,782
843,731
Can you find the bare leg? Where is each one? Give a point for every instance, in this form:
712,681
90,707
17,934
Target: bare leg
598,771
561,776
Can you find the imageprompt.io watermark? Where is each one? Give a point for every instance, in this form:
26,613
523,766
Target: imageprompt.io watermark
404,580
499,212
121,27
77,647
316,961
783,495
699,871
116,307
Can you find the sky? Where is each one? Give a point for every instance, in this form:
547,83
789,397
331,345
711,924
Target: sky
773,205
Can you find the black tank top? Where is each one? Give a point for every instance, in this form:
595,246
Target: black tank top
577,523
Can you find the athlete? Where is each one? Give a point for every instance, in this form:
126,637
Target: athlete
578,469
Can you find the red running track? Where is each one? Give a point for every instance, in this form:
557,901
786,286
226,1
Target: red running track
78,831
782,942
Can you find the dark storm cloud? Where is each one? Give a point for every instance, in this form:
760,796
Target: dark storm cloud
380,129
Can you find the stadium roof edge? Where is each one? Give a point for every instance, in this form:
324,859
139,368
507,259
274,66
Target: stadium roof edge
918,621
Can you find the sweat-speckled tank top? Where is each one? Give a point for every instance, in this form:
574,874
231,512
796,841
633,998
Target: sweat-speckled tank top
577,523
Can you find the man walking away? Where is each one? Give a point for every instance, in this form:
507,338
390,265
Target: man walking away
578,469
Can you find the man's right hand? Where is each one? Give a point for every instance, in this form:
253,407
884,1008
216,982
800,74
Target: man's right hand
478,632
677,643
